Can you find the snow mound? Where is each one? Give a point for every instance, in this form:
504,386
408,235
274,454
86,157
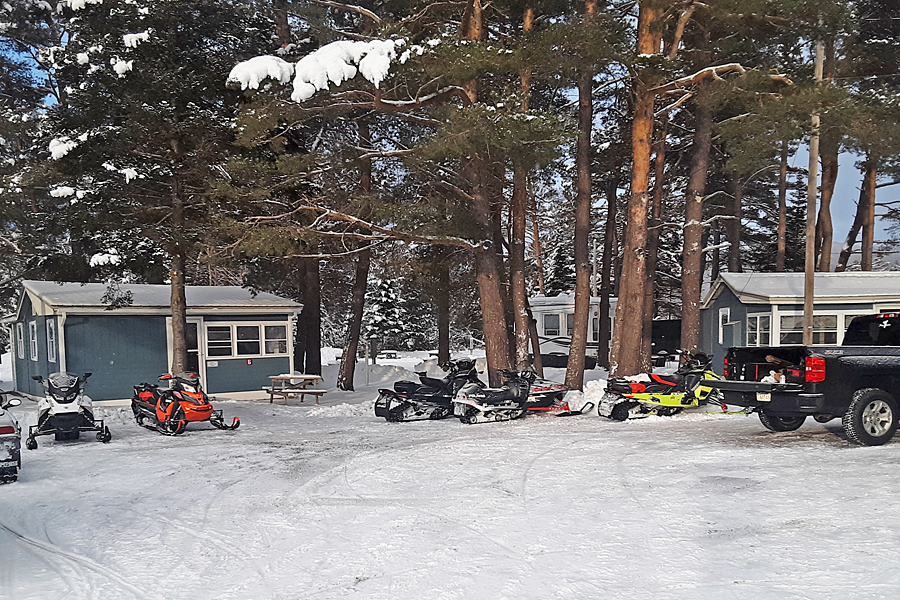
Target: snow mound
363,409
119,415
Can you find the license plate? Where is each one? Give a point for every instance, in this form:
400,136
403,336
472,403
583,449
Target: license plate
763,396
8,463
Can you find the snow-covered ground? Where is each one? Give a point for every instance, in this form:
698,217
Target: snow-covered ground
330,502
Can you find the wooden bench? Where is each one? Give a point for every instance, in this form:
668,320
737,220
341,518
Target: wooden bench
288,392
288,386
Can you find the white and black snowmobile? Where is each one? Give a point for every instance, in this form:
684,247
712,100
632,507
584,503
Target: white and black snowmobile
65,410
10,441
476,404
432,398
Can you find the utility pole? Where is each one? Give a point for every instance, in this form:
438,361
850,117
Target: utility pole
811,189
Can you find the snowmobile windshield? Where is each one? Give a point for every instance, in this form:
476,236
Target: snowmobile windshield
465,365
188,383
63,386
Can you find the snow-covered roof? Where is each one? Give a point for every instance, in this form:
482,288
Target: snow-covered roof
49,296
774,288
561,302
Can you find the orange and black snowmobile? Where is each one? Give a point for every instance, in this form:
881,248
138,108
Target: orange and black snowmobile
170,410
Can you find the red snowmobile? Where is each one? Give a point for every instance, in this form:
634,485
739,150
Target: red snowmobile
170,410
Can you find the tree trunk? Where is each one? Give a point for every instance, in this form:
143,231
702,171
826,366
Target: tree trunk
536,240
625,357
850,242
606,267
653,243
716,257
692,274
829,148
442,305
535,344
582,316
179,312
519,215
496,341
178,301
360,278
302,319
825,229
313,308
868,226
734,227
782,208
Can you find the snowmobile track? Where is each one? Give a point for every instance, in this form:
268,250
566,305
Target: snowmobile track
79,559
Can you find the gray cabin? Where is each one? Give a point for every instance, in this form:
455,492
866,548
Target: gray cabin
766,309
235,339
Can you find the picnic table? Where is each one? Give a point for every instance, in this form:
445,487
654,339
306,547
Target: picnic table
287,386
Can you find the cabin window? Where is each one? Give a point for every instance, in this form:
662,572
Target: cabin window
20,340
218,340
51,340
758,330
276,339
824,329
32,340
551,324
724,318
246,339
570,324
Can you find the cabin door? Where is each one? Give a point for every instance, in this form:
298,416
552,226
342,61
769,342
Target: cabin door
192,340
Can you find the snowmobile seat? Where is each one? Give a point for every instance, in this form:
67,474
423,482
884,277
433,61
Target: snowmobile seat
434,382
670,380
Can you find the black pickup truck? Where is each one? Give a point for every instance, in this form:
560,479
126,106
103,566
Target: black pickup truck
858,381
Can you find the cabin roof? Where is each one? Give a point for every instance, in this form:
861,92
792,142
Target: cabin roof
77,297
787,288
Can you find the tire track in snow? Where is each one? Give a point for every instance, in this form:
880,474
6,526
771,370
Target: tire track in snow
79,559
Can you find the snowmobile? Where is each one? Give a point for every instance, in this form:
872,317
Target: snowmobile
168,411
476,404
430,399
10,441
663,395
65,410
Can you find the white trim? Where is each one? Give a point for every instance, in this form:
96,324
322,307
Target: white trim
840,314
61,340
20,340
33,346
262,339
50,326
201,349
720,324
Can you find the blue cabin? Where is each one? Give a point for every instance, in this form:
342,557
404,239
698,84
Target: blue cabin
235,339
766,309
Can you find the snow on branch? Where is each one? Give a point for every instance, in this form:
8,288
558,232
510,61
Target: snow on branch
333,63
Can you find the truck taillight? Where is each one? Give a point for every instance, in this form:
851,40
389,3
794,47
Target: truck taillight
726,368
815,369
7,430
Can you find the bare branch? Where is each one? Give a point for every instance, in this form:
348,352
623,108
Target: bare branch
348,8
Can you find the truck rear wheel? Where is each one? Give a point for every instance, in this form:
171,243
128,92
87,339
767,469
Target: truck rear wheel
872,417
773,423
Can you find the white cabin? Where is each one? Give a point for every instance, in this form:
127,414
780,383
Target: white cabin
555,316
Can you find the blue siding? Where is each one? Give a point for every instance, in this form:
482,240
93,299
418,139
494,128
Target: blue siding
734,335
27,368
120,351
235,375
